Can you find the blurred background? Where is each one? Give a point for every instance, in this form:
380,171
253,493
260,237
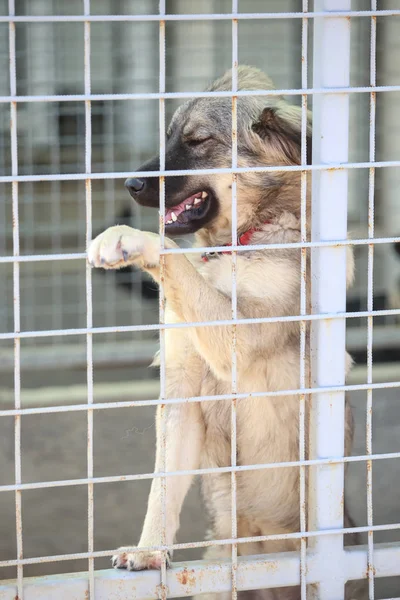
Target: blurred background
51,140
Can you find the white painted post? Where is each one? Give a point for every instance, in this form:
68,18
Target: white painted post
329,222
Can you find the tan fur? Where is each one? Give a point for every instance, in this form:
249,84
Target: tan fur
198,362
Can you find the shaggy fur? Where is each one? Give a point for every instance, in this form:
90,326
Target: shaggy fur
198,360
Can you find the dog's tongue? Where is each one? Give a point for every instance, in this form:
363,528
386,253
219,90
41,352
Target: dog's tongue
180,208
175,209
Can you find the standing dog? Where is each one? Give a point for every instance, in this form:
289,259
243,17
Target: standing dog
198,359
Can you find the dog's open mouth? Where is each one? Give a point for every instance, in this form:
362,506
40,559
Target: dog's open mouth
178,219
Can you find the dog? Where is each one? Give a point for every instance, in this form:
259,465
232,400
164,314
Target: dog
198,288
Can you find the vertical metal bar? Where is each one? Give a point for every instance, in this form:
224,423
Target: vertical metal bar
329,222
111,296
163,422
303,302
371,210
234,296
89,307
17,299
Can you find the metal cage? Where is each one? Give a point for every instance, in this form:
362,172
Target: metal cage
91,150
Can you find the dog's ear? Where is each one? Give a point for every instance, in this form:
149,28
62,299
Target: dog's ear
283,132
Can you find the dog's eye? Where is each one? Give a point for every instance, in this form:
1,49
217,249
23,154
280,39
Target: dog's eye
198,141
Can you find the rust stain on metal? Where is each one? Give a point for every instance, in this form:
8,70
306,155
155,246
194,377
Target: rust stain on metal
186,577
162,590
370,570
86,595
271,566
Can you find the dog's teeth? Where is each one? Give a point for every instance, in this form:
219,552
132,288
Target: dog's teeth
169,222
188,206
197,200
174,217
204,195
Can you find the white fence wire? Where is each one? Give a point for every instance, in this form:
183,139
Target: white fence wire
321,534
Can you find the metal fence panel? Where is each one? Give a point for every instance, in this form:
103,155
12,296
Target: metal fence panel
321,539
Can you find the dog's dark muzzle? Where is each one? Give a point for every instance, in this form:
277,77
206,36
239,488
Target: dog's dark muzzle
145,190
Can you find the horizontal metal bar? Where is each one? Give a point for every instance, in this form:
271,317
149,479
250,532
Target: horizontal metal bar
201,249
179,173
72,356
196,17
39,485
239,396
183,579
200,577
42,257
206,544
156,402
197,94
221,323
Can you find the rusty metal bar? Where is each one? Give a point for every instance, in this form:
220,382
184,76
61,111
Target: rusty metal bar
154,402
162,588
200,249
234,555
331,167
303,305
17,299
205,471
189,95
89,300
255,572
222,322
371,247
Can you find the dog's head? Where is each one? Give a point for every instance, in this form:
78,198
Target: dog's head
200,137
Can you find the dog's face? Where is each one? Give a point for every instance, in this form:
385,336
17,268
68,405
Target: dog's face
200,137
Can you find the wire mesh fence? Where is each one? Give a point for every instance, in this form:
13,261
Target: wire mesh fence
88,91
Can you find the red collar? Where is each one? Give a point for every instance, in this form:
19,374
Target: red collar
243,240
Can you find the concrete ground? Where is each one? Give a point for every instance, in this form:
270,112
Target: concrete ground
55,520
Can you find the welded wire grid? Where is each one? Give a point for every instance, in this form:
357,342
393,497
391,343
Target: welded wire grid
295,568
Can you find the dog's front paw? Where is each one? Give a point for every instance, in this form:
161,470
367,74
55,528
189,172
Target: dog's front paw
121,245
138,561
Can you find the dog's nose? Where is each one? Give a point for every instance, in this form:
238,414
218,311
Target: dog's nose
135,186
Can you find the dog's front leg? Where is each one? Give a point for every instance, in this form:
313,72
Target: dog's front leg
184,438
187,292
